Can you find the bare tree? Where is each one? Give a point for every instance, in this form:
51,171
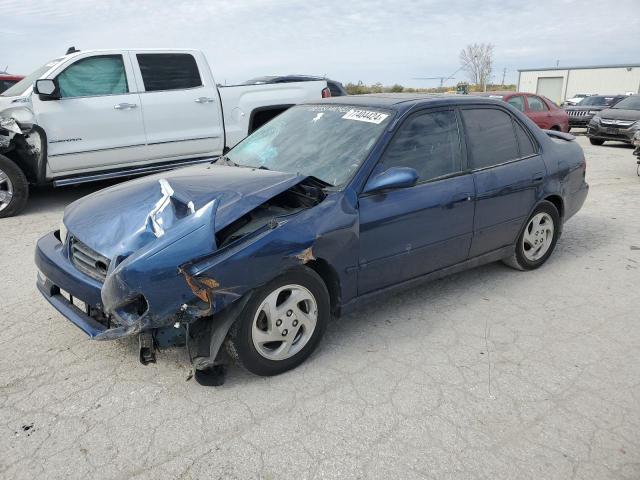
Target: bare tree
477,61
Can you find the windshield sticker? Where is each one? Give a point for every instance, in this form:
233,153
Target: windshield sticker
365,116
317,117
328,108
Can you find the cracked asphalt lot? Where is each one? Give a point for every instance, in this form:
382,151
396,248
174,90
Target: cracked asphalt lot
491,373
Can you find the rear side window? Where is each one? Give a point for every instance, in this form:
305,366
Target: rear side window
491,139
536,104
517,102
168,71
93,76
527,147
429,143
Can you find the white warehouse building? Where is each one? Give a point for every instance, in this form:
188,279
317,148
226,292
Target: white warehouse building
558,84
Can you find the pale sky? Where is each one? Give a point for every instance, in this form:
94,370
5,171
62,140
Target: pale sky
348,40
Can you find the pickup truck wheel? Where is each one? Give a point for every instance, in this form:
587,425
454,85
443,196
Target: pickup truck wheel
596,141
538,239
282,324
14,188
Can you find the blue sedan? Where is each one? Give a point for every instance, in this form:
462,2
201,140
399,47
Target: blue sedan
321,209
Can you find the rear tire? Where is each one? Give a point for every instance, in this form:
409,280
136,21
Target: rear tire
282,324
14,188
596,141
538,238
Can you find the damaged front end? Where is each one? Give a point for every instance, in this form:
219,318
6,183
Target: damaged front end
22,141
172,250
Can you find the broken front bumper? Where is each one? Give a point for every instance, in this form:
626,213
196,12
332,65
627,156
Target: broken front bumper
56,274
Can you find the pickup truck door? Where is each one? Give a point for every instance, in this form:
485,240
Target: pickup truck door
97,122
180,105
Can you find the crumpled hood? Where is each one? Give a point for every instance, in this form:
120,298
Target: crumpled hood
121,219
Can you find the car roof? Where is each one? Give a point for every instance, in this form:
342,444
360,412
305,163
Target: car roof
405,101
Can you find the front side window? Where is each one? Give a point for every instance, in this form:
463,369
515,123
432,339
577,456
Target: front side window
428,143
536,104
94,76
329,142
168,71
517,102
490,137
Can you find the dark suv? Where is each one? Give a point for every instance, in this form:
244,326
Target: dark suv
582,113
619,122
335,87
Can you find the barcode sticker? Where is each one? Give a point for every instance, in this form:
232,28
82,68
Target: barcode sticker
365,116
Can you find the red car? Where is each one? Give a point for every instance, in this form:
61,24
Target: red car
544,113
7,81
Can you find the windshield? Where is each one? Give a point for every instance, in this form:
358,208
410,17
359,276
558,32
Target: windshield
22,86
629,103
597,101
325,141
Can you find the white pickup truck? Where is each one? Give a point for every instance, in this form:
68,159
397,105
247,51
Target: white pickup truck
101,114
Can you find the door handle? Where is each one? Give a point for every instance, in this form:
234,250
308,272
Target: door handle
204,100
537,178
125,106
465,197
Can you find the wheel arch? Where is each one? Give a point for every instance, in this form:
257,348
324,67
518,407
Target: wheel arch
33,166
557,202
330,277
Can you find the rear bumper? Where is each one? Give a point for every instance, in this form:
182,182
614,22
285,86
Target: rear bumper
575,201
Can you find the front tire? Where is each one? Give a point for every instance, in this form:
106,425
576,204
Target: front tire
14,188
538,238
282,324
596,141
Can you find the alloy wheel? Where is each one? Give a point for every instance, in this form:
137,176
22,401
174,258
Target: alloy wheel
284,322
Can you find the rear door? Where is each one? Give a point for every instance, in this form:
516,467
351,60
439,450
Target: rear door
97,122
508,172
180,104
409,232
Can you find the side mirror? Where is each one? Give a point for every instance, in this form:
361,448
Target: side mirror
46,89
394,177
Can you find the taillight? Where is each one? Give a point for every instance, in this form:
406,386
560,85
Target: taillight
326,93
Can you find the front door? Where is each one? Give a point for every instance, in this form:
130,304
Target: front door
97,122
508,173
408,232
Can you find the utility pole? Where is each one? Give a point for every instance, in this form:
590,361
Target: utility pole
504,74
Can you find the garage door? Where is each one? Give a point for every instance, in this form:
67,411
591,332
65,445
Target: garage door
551,87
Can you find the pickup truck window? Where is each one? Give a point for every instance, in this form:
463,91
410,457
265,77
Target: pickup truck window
94,76
168,71
428,143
